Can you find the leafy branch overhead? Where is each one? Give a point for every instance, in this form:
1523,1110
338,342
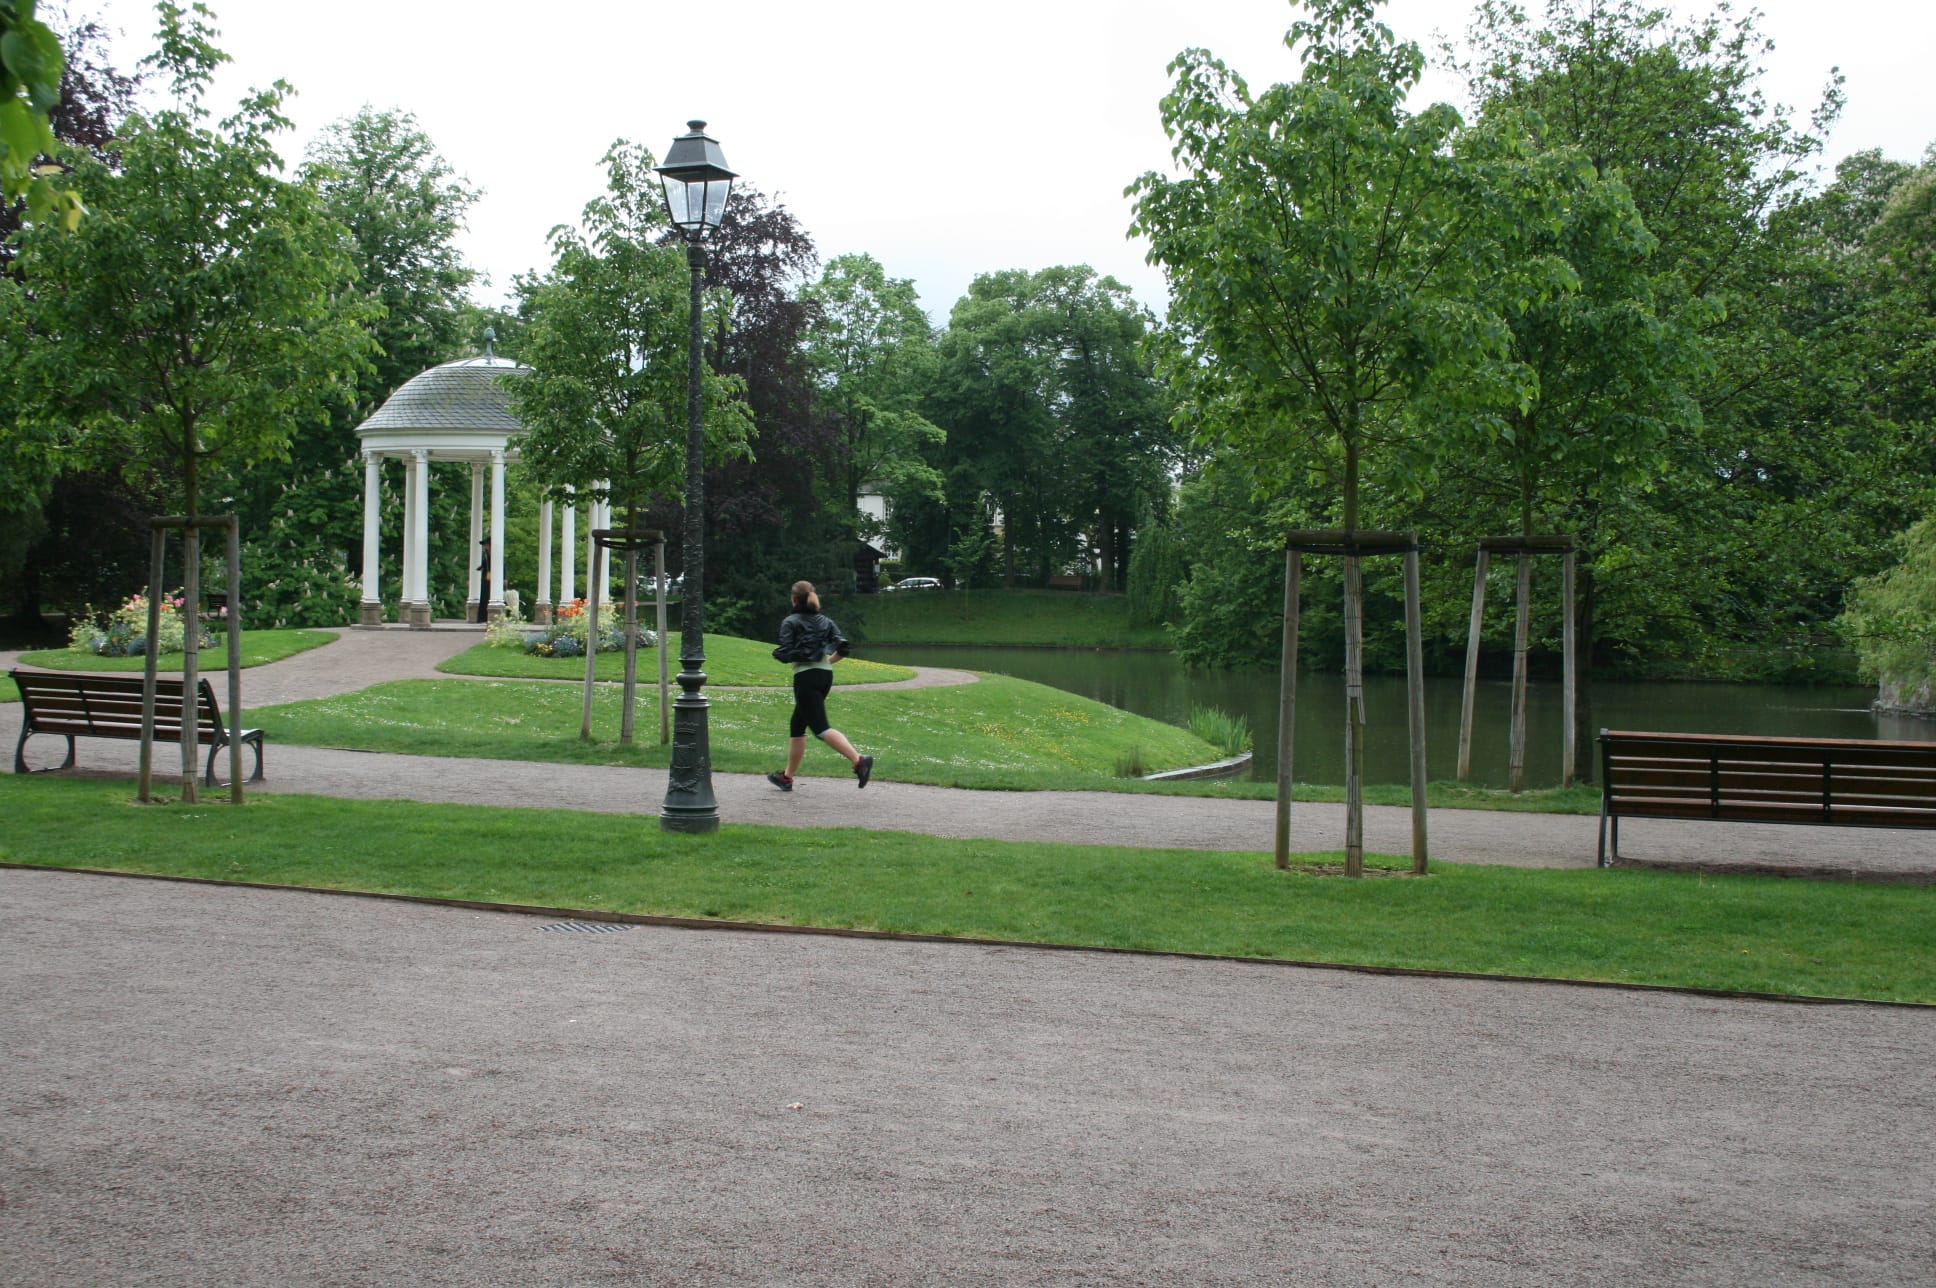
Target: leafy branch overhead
31,64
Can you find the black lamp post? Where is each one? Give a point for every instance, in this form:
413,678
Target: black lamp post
696,183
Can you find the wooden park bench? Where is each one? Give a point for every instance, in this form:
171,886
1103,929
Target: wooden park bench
74,704
1834,782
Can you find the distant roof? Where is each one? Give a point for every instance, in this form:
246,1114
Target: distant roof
461,395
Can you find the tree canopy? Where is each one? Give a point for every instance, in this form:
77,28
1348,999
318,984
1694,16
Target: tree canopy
605,403
204,312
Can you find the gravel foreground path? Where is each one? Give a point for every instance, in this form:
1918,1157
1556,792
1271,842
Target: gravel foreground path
210,1086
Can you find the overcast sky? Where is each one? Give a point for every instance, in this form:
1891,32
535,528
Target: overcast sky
945,140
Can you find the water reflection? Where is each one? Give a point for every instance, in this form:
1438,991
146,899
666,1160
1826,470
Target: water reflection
1157,685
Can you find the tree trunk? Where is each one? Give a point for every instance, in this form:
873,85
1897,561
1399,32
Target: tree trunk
191,634
1354,719
1471,695
1583,731
1287,704
628,702
1522,643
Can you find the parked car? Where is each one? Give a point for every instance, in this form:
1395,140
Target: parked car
915,583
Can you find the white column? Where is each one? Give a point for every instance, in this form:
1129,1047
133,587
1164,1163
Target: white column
541,612
594,520
407,592
471,586
605,564
568,552
372,606
420,541
495,609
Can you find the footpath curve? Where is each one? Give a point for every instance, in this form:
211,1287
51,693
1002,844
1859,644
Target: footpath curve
358,659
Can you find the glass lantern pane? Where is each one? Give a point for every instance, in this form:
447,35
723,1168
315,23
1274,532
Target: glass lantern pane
716,191
677,200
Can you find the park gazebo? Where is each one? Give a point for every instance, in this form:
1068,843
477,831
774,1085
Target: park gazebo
456,413
459,413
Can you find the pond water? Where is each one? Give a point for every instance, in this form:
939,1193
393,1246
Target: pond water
1159,686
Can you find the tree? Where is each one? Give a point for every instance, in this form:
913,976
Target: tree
1891,619
1673,110
1333,257
604,405
991,395
203,312
1053,412
871,350
766,524
382,179
58,530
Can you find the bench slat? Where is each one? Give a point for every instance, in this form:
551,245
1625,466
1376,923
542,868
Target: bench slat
1732,781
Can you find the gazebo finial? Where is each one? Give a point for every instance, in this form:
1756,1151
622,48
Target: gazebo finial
490,339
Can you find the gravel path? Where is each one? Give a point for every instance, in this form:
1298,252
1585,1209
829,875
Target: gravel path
211,1086
358,659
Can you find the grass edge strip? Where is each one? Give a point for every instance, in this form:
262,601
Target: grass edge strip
901,936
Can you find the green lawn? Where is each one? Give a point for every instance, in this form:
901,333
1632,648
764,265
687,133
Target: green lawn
258,649
1045,618
1736,933
729,661
997,733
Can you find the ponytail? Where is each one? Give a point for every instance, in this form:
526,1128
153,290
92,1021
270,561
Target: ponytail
804,600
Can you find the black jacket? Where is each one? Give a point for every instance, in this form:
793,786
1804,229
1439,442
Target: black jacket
807,637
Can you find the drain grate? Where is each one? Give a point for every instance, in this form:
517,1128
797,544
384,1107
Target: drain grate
588,927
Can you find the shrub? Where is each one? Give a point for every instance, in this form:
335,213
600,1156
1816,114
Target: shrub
1227,733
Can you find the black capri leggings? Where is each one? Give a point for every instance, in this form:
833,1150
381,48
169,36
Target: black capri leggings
810,689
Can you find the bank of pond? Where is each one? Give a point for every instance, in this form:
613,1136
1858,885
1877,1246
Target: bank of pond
1157,685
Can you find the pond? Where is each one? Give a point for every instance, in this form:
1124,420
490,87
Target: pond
1159,686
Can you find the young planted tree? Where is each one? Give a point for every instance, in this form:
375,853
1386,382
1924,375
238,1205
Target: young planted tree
1609,387
1677,554
1332,257
202,313
604,405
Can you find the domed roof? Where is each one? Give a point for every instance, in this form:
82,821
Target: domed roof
461,395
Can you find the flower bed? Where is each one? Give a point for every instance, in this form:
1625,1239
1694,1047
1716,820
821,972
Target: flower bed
124,632
566,635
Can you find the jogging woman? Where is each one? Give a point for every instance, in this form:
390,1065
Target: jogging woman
812,643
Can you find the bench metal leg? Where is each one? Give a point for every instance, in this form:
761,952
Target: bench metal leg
1603,833
20,752
251,740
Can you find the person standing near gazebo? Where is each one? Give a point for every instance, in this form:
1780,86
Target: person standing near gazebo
484,582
